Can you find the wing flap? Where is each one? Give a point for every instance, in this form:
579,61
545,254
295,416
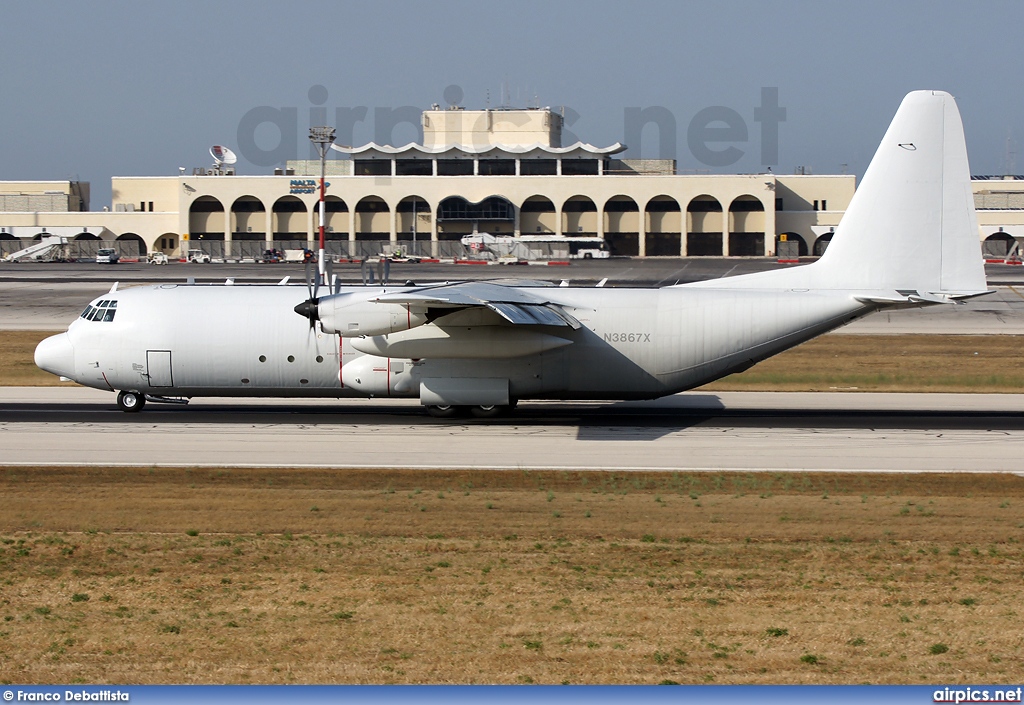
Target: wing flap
532,315
518,307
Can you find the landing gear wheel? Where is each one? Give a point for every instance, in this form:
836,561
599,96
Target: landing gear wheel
444,412
489,411
131,402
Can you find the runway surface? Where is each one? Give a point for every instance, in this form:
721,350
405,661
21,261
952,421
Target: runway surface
691,431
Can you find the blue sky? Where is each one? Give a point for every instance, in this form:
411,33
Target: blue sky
92,90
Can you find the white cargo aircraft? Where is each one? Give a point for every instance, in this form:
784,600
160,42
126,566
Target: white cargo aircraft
909,238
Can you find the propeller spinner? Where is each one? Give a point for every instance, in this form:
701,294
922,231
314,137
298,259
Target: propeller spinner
310,307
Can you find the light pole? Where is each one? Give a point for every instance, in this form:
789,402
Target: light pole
323,138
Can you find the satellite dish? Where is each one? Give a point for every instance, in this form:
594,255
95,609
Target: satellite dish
222,155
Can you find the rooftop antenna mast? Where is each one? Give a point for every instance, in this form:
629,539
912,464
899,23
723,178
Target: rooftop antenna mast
1010,162
323,138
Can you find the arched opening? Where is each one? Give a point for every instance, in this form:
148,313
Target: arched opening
622,226
373,219
414,225
168,243
579,216
206,219
248,219
663,225
130,245
820,245
289,218
793,245
457,216
82,247
8,243
335,219
746,227
86,245
704,227
998,245
537,216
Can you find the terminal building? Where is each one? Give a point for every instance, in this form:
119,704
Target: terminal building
499,171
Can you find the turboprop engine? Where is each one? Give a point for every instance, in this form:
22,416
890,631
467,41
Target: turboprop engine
381,377
357,314
461,342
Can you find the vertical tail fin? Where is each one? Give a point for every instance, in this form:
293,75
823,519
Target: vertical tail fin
911,223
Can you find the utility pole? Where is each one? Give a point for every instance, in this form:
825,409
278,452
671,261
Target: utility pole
323,138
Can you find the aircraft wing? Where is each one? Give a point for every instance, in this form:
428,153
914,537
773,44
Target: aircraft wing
515,305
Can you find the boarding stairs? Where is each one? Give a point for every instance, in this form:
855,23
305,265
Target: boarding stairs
49,249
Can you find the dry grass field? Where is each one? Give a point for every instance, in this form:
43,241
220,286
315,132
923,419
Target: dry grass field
868,363
17,368
160,575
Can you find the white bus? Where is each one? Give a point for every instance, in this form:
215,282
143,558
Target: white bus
536,247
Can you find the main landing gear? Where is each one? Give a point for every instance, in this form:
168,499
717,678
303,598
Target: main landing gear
131,402
488,411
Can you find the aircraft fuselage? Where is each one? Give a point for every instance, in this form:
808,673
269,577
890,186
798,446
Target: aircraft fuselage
190,341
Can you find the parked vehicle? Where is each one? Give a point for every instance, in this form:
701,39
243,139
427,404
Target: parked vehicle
198,256
303,255
157,258
107,256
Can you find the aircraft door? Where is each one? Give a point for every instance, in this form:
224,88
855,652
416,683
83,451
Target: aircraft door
159,364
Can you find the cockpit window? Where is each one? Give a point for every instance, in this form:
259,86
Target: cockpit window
102,311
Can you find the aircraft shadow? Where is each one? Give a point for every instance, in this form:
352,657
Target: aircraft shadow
594,422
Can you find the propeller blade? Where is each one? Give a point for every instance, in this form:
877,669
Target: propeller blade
329,276
309,280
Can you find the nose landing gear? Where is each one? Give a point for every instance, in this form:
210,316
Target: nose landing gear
131,402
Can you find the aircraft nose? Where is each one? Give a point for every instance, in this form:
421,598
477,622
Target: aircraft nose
56,355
